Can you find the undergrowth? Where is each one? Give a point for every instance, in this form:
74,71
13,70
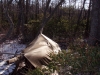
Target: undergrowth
78,59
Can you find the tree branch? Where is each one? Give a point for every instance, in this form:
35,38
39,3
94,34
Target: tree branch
45,20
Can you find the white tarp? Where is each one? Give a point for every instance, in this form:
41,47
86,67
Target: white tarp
39,50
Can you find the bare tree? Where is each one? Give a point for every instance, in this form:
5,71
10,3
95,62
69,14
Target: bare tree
46,19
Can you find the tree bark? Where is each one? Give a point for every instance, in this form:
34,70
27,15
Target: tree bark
94,36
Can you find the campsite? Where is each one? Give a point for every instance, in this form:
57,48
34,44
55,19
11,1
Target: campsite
49,37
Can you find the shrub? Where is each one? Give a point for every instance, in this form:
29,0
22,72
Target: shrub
34,72
79,59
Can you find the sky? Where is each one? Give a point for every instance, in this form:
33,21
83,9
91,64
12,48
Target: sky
86,4
78,3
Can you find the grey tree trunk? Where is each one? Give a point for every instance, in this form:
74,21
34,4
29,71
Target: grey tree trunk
87,28
94,36
27,11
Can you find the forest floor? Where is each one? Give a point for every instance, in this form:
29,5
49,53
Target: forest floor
6,48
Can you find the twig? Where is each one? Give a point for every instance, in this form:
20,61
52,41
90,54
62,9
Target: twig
8,53
16,53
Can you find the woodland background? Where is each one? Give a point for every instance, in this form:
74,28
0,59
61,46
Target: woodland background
75,27
70,20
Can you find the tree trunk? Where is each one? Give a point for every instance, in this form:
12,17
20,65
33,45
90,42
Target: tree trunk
17,32
27,11
37,9
94,36
20,24
87,28
1,11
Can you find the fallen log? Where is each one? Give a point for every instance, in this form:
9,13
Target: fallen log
15,59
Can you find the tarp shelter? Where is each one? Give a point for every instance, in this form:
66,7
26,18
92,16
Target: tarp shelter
39,50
